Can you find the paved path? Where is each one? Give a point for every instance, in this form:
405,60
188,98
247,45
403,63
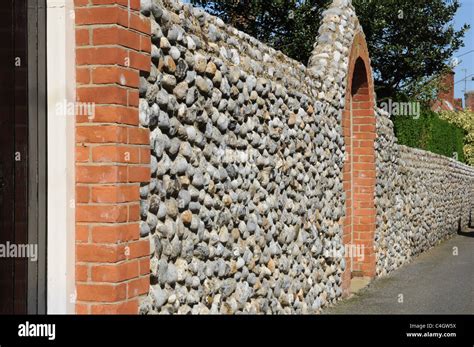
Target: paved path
435,282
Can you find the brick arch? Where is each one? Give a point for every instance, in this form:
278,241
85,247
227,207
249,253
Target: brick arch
358,123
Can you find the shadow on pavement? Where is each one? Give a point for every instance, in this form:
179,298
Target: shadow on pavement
466,233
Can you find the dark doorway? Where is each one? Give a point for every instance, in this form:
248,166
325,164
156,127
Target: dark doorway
22,157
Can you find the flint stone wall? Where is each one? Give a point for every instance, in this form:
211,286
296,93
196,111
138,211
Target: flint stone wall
245,206
422,198
244,209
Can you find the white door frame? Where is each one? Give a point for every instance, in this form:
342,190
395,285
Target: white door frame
61,155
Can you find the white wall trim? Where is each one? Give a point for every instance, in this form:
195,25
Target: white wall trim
61,184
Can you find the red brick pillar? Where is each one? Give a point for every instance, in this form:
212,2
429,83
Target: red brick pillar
112,156
359,166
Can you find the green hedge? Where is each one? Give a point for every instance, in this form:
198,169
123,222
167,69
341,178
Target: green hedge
430,133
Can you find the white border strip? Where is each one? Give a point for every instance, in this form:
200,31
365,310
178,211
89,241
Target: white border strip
61,154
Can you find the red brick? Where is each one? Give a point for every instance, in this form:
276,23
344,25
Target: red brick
364,212
82,37
81,273
145,43
116,35
367,235
366,159
101,292
82,154
101,56
118,154
363,166
81,2
101,174
115,75
100,253
134,212
134,4
140,61
138,249
140,23
368,182
363,151
364,204
100,15
138,286
82,309
145,155
83,75
82,233
139,136
133,97
115,272
360,116
114,193
367,128
103,95
116,114
145,266
138,173
115,233
364,220
82,194
102,134
127,307
102,213
364,143
363,105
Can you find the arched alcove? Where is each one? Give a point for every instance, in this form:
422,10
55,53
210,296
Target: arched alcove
359,166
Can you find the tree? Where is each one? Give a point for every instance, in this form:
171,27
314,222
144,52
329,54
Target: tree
409,41
288,25
465,120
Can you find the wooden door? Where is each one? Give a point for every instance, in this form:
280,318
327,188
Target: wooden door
22,170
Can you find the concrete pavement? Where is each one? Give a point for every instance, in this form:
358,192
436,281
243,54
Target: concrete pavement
435,282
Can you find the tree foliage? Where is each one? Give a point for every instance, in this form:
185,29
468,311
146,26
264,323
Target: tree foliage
409,41
288,25
430,132
464,120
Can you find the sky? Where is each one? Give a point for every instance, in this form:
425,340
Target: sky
465,15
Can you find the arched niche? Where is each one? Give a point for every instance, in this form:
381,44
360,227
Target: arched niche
358,123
